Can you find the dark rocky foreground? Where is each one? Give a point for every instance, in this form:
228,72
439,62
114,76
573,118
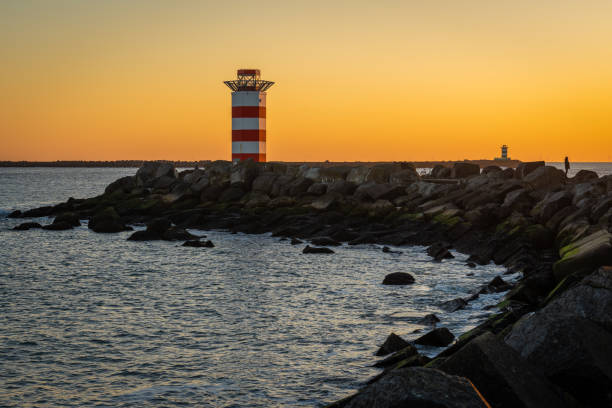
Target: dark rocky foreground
549,343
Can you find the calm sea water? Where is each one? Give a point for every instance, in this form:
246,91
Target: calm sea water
94,320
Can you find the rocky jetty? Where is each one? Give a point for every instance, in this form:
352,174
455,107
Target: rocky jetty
548,342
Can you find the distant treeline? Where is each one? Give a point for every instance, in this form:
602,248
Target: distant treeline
201,163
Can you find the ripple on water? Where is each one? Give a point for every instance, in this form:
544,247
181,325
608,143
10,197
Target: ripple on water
91,319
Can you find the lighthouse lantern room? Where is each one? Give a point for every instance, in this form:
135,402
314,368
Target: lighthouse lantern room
249,115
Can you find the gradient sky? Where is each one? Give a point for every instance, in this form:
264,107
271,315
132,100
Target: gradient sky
355,80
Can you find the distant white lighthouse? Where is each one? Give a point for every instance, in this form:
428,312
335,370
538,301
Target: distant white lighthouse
249,115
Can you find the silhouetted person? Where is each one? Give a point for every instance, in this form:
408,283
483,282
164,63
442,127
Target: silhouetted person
567,166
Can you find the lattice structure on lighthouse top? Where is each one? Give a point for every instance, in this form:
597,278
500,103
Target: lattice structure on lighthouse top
248,80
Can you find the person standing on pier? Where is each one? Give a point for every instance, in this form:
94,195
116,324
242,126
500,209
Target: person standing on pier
567,165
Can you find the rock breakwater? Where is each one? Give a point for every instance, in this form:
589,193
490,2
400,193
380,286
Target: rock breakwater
555,231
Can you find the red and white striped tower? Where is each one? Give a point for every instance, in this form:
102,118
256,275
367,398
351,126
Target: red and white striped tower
249,115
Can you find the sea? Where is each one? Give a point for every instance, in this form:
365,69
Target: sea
93,320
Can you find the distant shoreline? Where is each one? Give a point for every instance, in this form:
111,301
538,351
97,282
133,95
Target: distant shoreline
200,163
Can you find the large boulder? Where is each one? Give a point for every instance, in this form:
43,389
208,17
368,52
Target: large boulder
584,176
404,176
439,337
329,175
327,201
357,175
264,182
418,387
590,299
584,255
550,205
392,344
124,185
545,178
464,170
504,379
376,191
317,189
243,173
153,170
525,168
572,352
341,187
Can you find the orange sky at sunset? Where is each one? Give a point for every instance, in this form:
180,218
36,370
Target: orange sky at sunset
355,80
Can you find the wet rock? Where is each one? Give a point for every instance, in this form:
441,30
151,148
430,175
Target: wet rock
58,226
429,320
518,200
453,305
70,218
198,244
525,168
470,265
178,234
317,250
14,214
159,225
439,251
440,337
392,344
107,221
299,186
388,250
26,226
145,236
396,357
295,241
572,352
417,387
464,170
398,278
324,241
496,285
501,375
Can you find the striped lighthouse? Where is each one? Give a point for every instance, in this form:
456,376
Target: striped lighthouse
249,115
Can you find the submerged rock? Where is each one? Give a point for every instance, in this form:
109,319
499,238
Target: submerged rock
198,244
429,320
26,226
317,250
398,278
453,305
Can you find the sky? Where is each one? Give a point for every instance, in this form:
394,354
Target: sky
354,80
